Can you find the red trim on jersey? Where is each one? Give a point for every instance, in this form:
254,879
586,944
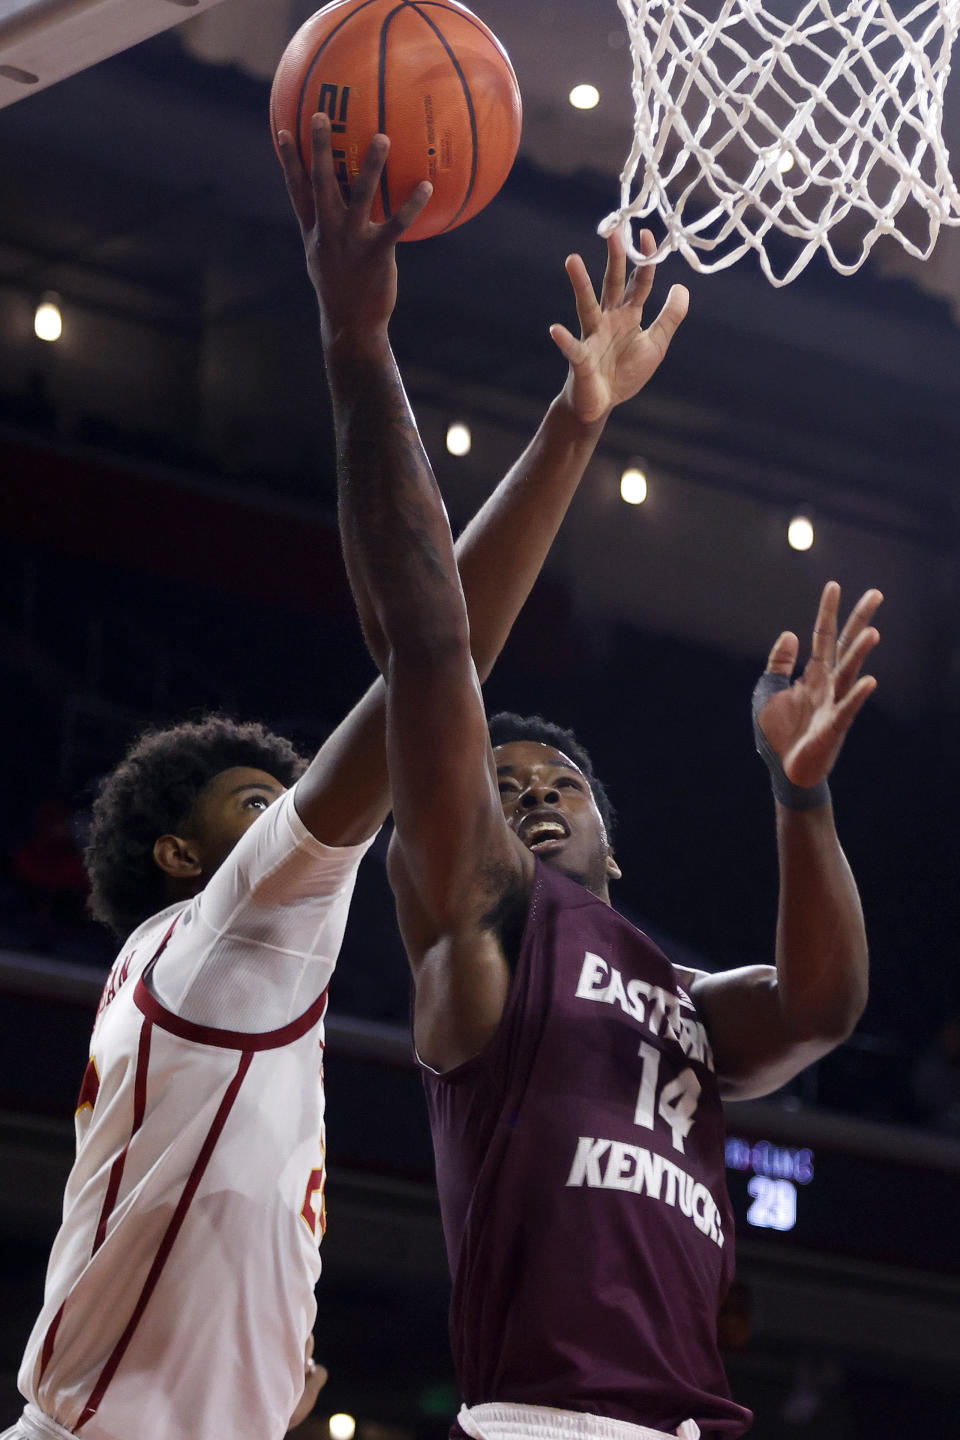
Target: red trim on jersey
49,1338
116,1170
167,1243
89,1087
148,1003
164,942
139,1106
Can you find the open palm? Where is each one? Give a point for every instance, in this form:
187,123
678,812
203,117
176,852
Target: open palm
807,722
615,357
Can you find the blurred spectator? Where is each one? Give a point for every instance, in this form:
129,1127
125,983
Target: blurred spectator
43,889
48,863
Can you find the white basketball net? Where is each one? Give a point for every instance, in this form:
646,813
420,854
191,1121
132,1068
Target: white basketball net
750,128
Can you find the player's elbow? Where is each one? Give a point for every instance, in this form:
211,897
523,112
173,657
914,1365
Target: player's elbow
847,1017
849,1001
826,1021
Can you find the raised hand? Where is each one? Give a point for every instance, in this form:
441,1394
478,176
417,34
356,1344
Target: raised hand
350,258
615,357
806,723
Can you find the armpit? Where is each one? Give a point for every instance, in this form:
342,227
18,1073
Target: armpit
687,977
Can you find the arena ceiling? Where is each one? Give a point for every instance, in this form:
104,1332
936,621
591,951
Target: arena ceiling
143,189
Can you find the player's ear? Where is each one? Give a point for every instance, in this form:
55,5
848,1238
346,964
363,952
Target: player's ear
176,857
613,869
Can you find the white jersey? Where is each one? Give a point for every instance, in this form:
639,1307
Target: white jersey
179,1293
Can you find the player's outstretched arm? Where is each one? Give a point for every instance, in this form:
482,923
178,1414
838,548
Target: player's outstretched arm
344,795
502,550
768,1023
399,552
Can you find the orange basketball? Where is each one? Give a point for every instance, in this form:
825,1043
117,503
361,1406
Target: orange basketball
427,73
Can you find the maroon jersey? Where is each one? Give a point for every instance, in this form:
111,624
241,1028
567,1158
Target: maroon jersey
580,1165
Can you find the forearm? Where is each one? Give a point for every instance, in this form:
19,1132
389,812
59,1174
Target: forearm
396,537
821,953
345,795
502,550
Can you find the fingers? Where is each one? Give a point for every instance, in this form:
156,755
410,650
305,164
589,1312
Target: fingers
862,613
569,346
615,275
783,655
857,621
857,638
588,307
409,210
810,764
663,329
812,758
326,189
617,289
297,181
365,187
824,644
323,180
641,278
852,704
850,659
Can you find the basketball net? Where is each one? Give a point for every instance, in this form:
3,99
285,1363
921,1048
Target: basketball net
750,128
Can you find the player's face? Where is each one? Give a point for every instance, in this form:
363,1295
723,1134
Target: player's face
549,805
226,809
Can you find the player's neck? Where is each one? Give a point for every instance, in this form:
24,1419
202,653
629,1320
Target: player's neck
176,891
598,886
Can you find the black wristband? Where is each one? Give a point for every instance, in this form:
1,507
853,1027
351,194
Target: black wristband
794,797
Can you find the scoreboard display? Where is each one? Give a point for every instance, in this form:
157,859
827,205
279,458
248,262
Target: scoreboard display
834,1201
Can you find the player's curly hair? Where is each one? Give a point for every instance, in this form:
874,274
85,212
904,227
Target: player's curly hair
506,727
152,792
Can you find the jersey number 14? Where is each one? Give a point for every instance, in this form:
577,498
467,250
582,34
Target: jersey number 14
678,1100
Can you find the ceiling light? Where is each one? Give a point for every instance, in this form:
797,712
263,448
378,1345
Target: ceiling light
786,161
458,438
342,1427
584,97
47,321
800,533
633,485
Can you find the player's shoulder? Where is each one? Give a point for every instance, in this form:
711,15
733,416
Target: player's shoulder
143,942
141,946
155,924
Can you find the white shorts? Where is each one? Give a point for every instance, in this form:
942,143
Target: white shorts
34,1425
503,1421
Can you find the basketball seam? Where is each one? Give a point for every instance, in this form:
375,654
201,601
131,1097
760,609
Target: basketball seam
419,7
470,111
382,105
312,66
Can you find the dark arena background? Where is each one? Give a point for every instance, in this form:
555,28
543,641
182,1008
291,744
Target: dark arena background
168,546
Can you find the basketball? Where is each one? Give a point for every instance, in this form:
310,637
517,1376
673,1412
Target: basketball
428,74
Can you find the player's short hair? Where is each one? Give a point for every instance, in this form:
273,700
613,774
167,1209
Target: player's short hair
152,793
506,727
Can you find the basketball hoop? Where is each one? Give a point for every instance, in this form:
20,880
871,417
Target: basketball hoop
751,128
